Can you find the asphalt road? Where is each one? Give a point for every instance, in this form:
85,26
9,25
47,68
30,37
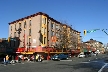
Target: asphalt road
91,64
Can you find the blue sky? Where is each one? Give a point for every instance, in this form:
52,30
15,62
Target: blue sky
81,14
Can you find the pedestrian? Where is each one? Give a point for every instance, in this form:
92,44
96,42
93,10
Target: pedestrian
19,59
12,61
37,56
7,60
28,58
34,58
16,58
4,61
41,58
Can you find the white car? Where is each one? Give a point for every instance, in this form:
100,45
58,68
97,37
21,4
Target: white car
94,54
81,55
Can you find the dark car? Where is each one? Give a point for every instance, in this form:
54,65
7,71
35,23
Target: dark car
59,57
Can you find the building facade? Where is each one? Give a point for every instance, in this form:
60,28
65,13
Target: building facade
41,30
95,45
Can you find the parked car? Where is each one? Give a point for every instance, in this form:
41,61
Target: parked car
81,55
60,57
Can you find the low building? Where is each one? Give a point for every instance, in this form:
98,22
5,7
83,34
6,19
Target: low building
94,45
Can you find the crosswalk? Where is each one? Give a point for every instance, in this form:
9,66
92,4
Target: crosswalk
89,61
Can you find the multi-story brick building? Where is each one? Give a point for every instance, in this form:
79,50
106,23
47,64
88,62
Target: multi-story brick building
40,29
94,45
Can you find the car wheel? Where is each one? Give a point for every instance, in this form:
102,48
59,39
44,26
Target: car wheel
67,58
58,59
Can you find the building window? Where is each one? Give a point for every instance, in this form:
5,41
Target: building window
19,25
44,40
11,35
30,23
15,26
29,32
11,28
18,35
44,20
14,34
25,24
43,30
51,25
29,42
52,33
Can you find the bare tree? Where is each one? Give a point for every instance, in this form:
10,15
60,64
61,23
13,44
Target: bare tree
67,37
73,39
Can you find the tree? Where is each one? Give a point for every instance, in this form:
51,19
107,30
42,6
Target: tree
67,37
73,39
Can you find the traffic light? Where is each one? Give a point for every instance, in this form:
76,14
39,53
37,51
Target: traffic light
84,32
8,39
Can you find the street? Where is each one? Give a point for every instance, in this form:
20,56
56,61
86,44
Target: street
91,64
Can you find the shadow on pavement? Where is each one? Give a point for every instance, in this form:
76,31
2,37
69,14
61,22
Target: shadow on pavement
87,66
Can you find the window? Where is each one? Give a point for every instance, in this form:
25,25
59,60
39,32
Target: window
44,40
52,33
30,23
57,34
11,35
43,30
57,26
25,24
15,26
44,20
29,42
11,28
19,25
18,35
14,34
52,25
29,32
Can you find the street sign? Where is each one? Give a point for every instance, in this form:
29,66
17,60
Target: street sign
90,31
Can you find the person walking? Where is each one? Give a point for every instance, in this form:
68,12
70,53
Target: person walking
37,57
7,60
34,58
13,61
16,59
29,58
